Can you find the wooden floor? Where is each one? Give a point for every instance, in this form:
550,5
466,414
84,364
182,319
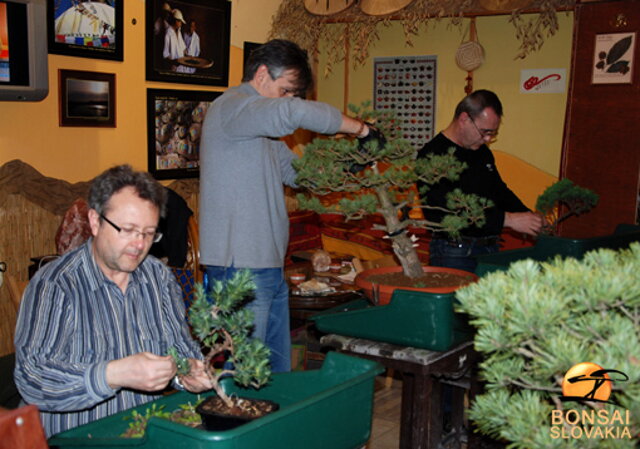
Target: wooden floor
385,429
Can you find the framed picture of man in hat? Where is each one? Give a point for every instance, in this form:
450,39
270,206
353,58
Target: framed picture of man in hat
187,41
87,29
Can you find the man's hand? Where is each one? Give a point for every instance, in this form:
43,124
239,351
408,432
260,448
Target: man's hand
143,371
374,135
526,222
197,380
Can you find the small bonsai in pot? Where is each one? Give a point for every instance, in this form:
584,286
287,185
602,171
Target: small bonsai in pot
379,177
562,200
537,320
223,328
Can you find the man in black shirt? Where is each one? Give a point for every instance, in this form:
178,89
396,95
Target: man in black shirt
475,123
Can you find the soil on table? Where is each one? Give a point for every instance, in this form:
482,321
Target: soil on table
427,280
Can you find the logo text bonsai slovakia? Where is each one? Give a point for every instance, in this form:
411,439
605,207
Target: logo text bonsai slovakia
590,384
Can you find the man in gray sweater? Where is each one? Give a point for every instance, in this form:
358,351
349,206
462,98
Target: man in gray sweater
244,167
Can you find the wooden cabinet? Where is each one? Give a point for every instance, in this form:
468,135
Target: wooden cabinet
601,148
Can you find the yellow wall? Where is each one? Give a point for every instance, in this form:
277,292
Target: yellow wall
532,128
30,131
533,123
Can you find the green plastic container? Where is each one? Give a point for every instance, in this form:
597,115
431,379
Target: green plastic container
548,247
417,319
326,408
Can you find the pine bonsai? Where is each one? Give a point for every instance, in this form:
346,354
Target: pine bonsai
567,197
378,177
223,327
537,320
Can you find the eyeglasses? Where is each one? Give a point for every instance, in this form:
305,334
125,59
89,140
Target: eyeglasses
130,233
484,133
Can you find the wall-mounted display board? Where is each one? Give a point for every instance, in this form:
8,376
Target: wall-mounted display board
407,85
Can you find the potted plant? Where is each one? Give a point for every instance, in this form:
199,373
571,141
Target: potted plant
339,395
378,175
562,200
223,328
537,320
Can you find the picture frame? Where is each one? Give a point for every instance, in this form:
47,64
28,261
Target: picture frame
86,29
613,58
174,125
87,99
176,55
248,47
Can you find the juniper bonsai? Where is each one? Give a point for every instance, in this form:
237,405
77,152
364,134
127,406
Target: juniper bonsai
378,177
537,320
566,197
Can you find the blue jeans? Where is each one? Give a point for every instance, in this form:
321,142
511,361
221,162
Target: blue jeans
270,309
443,253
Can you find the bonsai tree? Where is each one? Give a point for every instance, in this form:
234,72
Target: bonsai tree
537,320
567,197
378,175
223,327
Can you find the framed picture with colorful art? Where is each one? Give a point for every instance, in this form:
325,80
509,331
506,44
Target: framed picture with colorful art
174,124
86,29
187,41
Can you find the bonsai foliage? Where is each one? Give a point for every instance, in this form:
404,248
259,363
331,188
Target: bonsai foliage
564,196
186,415
379,178
537,320
223,327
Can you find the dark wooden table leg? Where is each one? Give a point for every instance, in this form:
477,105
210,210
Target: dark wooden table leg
426,414
406,413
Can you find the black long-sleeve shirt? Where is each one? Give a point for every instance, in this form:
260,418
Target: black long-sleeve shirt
481,178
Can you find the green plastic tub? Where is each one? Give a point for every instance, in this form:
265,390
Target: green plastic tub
326,408
417,319
548,247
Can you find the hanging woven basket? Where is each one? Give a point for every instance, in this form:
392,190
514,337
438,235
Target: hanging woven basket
382,7
469,56
327,7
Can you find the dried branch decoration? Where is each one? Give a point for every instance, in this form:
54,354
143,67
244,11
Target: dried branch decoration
292,21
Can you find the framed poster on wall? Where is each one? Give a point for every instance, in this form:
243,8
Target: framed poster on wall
187,41
407,85
87,99
613,58
174,123
86,29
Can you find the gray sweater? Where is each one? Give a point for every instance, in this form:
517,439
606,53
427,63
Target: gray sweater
243,169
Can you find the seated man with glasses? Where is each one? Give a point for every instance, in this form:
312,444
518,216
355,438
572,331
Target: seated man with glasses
475,123
95,325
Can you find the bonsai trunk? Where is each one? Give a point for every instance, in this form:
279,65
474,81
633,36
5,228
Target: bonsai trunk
401,243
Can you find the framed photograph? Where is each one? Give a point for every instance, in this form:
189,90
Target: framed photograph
88,29
613,58
87,98
246,52
187,41
174,123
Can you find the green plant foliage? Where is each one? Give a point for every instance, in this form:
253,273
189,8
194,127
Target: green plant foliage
186,415
380,178
182,363
537,320
223,326
575,199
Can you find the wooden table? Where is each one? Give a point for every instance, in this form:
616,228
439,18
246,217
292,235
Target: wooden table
302,307
424,373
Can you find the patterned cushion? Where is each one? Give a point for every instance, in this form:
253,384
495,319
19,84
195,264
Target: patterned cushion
186,280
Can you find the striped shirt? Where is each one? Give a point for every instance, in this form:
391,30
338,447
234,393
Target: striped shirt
73,320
